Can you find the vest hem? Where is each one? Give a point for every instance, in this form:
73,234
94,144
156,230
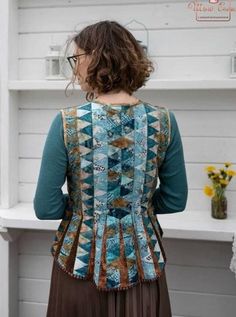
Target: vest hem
90,278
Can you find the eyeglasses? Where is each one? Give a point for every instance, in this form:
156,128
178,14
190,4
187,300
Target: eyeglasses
73,60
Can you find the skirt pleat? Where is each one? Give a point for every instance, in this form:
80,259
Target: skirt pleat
71,297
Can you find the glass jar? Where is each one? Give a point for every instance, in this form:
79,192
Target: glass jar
219,207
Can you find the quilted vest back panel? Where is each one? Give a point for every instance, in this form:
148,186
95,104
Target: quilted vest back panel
109,232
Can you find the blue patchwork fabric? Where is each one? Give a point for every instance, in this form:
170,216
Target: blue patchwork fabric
109,233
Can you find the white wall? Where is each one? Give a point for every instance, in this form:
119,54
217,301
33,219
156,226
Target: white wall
197,272
199,279
34,272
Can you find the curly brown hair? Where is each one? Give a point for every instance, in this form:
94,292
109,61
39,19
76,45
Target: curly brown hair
118,61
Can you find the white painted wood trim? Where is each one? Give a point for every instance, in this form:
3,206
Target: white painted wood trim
152,84
8,278
9,103
4,282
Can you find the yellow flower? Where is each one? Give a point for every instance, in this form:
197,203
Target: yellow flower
227,164
210,168
224,182
231,173
208,190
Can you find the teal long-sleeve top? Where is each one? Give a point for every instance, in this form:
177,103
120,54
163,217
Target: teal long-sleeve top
49,201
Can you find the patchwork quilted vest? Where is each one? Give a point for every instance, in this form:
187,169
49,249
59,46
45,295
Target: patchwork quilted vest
110,233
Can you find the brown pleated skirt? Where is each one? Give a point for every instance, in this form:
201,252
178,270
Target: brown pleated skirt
70,297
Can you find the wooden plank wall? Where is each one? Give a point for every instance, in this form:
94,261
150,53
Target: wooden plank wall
200,282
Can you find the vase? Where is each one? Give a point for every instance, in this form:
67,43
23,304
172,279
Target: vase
219,207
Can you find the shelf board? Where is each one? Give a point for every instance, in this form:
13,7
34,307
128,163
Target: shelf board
196,225
22,216
152,84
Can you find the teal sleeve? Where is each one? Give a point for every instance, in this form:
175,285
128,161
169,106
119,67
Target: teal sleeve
171,195
49,201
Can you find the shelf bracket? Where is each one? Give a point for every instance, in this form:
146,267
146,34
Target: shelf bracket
10,234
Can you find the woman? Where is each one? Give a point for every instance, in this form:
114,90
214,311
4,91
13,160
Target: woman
108,254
